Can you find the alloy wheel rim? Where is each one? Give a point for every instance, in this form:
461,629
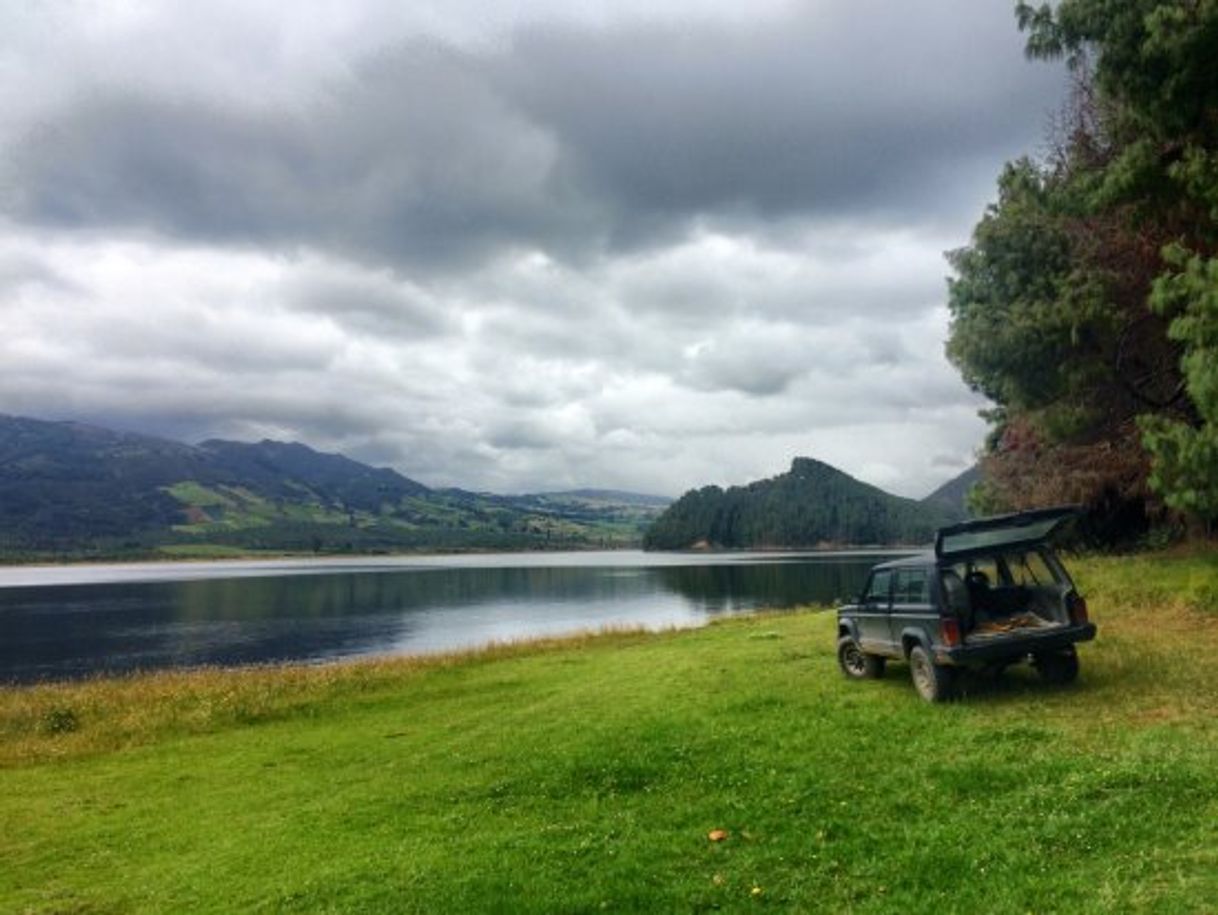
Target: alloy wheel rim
854,660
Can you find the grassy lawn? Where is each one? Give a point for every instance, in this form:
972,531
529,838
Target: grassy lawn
585,776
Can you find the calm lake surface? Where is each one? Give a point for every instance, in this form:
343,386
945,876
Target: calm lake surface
71,621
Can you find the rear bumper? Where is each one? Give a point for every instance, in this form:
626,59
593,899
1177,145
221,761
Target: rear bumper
1016,646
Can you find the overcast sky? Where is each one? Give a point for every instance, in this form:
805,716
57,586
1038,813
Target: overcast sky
568,244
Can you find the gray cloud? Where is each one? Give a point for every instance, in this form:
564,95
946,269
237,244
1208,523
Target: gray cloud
759,360
376,304
20,272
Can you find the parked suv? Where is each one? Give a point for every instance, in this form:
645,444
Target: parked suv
991,594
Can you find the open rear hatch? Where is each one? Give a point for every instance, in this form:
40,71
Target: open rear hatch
1001,532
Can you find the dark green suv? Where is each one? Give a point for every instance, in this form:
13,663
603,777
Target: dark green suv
991,594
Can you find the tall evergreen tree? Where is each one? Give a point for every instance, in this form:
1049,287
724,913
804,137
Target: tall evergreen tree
1085,305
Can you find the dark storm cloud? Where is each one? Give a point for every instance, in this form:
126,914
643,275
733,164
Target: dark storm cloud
867,108
524,434
416,162
570,141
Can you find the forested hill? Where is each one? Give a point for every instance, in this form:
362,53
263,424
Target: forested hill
953,495
812,504
74,490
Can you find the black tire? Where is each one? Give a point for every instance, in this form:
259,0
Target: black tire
856,663
1057,667
934,682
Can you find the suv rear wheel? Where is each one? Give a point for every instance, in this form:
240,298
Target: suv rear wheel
1057,666
856,663
933,681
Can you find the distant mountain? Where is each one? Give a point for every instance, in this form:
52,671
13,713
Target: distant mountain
952,494
813,504
75,489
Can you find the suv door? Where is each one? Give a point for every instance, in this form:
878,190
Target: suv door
911,604
873,612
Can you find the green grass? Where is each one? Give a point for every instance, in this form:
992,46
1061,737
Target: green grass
190,492
585,775
234,508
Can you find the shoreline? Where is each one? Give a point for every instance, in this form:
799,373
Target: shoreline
388,663
11,562
36,575
42,562
325,668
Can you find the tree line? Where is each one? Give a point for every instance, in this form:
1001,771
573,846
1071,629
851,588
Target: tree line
1086,305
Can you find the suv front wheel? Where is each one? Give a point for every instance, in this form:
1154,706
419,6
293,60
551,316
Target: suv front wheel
856,663
933,681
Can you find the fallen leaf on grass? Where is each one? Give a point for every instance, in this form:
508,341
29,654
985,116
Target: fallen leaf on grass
717,835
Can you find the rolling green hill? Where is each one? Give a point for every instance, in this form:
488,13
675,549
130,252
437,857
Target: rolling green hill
75,490
812,504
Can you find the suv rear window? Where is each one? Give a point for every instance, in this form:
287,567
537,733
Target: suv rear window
1001,533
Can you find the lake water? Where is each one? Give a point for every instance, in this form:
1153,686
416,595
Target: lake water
71,621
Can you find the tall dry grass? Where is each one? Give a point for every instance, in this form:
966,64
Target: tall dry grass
100,714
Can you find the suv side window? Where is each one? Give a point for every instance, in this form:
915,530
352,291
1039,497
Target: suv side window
911,586
877,588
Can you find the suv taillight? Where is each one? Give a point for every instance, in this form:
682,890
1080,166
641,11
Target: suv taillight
1078,610
949,630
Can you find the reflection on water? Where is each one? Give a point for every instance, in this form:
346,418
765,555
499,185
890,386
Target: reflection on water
54,632
735,587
